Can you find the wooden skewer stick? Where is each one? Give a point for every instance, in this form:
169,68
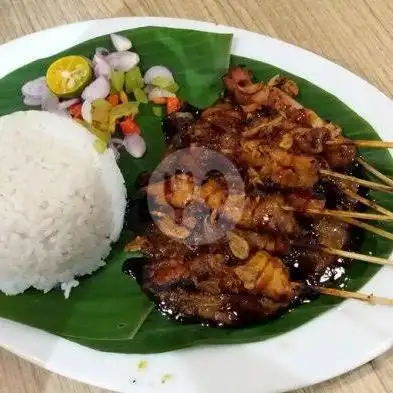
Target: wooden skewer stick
355,295
362,143
356,256
366,202
362,182
342,213
368,227
375,172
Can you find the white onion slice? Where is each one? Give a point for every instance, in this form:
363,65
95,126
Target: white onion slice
156,92
102,52
50,103
123,61
36,88
32,101
100,66
121,43
66,104
135,145
97,89
86,112
158,71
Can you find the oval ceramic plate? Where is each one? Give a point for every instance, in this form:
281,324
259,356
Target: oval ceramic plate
342,339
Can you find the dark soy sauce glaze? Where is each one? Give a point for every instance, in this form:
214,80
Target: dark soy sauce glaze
139,221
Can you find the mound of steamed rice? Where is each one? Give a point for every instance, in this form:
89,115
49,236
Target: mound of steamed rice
62,203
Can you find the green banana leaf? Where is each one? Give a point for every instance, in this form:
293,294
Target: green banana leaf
108,311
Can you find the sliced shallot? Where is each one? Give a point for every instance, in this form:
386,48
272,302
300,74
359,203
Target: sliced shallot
32,101
102,52
86,112
50,103
36,88
66,104
120,42
123,61
98,89
100,66
158,72
135,145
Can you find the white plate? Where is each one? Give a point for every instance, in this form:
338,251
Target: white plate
332,344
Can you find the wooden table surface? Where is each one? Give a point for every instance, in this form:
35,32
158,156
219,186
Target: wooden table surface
357,34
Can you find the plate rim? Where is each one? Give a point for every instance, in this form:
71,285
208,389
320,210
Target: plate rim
12,332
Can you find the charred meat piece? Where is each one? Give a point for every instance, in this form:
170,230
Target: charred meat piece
210,272
264,213
222,310
311,140
178,190
205,287
285,84
340,156
305,199
278,94
202,134
156,245
273,244
285,169
217,129
280,132
249,212
326,232
268,275
252,96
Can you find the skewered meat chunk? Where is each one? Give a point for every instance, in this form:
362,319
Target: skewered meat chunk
277,131
311,140
277,165
329,233
156,245
252,96
219,309
273,244
178,190
341,155
172,262
266,274
210,272
205,287
285,84
266,214
305,199
250,212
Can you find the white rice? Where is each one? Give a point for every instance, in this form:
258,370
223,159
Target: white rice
62,203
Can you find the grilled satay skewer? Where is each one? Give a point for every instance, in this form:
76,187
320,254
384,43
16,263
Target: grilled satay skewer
369,298
362,182
292,170
365,201
367,227
341,213
356,256
387,180
362,143
222,294
247,211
